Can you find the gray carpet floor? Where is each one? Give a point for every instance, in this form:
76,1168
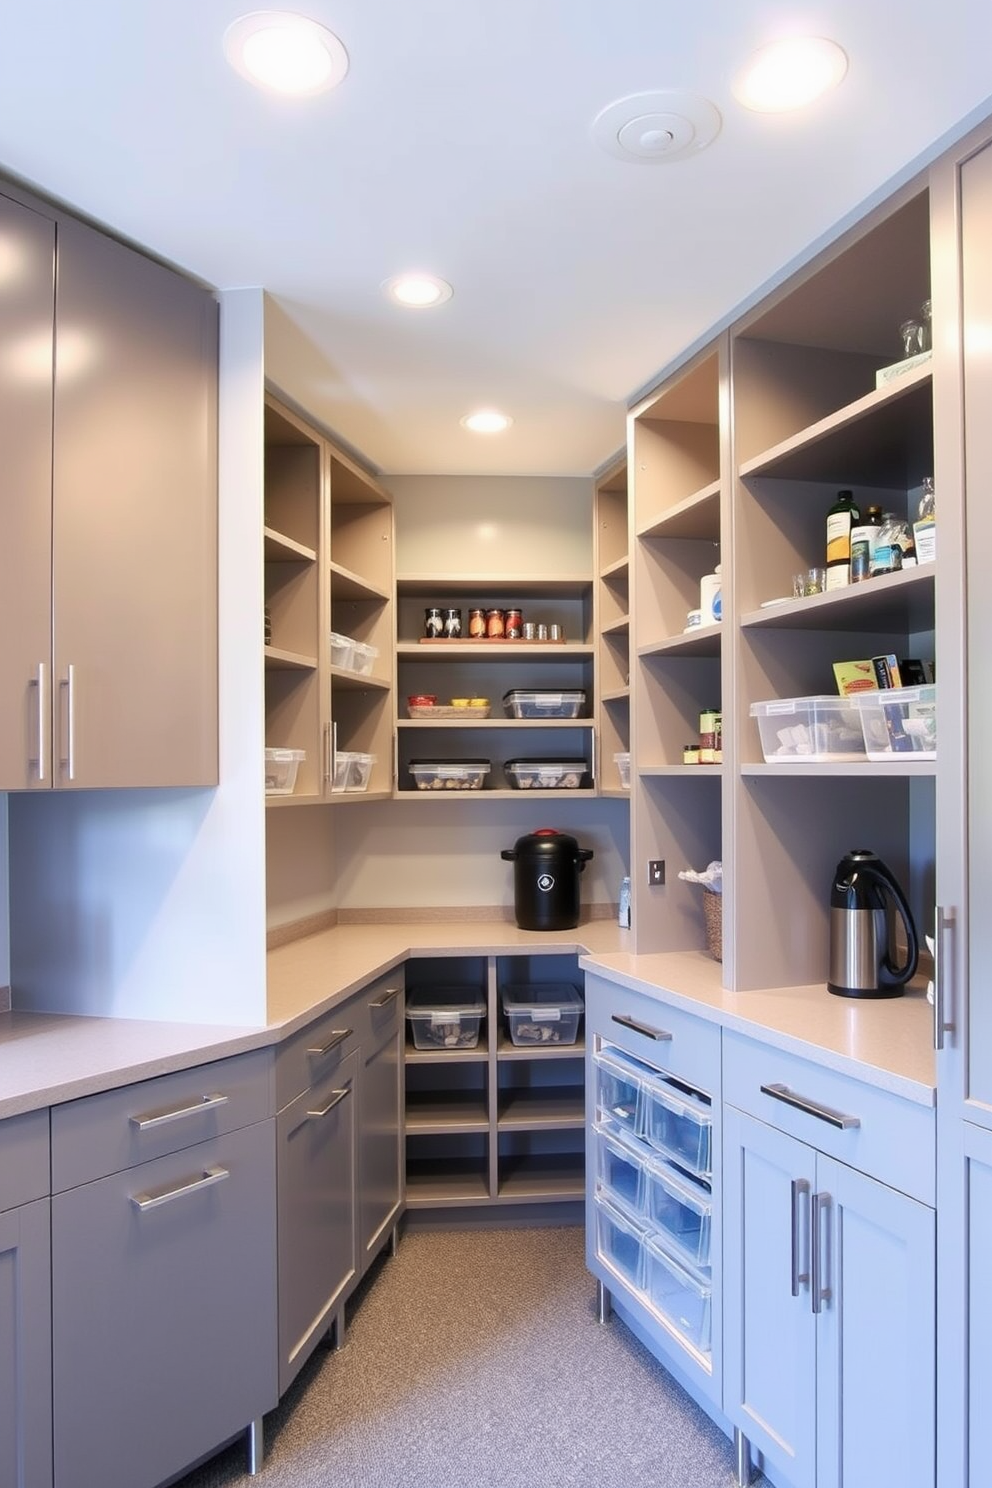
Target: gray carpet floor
474,1360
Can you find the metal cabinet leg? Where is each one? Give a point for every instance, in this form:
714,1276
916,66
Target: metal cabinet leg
340,1329
394,1240
604,1303
742,1450
255,1444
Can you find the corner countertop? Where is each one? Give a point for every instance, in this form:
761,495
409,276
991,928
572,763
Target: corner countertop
48,1058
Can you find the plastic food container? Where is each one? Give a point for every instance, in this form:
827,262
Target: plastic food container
810,728
679,1208
363,658
547,1014
547,774
899,722
622,762
342,651
351,771
677,1125
521,704
679,1296
619,1240
281,766
449,775
620,1170
445,1017
618,1089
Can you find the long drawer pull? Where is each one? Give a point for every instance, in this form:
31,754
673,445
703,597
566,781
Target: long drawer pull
386,998
812,1108
661,1035
337,1037
177,1113
152,1200
336,1098
820,1291
800,1276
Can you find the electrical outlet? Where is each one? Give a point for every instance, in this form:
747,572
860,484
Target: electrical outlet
656,872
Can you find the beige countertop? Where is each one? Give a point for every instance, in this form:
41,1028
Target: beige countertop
48,1058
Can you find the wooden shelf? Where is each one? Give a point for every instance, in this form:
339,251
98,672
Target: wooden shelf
506,1049
617,627
620,695
898,601
445,1183
277,660
502,651
531,1178
697,516
653,772
356,682
561,1108
426,586
407,794
704,640
495,723
348,585
839,770
618,570
478,1055
281,549
439,1111
866,441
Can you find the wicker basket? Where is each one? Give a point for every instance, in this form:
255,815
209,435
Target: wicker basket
713,914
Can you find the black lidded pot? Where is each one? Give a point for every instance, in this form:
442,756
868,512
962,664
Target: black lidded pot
546,868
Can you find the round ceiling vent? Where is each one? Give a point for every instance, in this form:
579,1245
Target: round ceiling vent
654,127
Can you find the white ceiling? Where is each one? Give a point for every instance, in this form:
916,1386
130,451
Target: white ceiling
459,142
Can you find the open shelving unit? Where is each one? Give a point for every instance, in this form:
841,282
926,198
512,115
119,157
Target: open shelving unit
612,603
501,1124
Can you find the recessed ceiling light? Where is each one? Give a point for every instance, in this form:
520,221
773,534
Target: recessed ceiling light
417,291
486,421
286,53
790,73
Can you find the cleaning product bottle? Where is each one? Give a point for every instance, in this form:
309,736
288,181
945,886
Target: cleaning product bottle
841,518
863,538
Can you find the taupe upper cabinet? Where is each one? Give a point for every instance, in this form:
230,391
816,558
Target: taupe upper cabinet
111,576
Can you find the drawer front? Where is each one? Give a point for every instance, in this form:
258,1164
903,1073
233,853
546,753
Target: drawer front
164,1311
311,1055
118,1129
887,1137
378,1010
671,1040
24,1159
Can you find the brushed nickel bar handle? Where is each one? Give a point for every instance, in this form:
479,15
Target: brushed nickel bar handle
153,1199
800,1190
337,1037
945,923
39,682
177,1113
818,1251
811,1108
336,1099
660,1035
67,682
387,998
326,751
592,752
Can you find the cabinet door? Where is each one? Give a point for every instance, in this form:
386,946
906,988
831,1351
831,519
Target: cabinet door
27,308
876,1334
316,1157
25,1347
164,1318
768,1321
381,1142
134,558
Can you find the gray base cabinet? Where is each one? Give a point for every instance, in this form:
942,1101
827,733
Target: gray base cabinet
25,1304
163,1273
829,1301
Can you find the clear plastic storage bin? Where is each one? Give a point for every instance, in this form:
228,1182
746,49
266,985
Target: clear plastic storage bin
622,762
547,1014
619,1240
449,775
445,1017
677,1125
680,1209
620,1170
519,703
899,723
547,774
677,1294
618,1089
352,771
810,728
363,658
342,651
281,766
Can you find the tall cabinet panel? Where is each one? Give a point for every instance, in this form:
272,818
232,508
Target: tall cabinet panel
27,306
675,463
612,613
134,556
811,417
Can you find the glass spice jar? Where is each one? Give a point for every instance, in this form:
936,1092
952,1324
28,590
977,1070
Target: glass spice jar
495,624
477,625
513,625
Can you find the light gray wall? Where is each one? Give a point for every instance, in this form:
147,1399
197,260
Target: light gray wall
151,904
4,898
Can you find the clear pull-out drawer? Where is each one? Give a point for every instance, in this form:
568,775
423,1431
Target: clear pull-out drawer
619,1241
620,1169
677,1125
677,1294
618,1089
679,1208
